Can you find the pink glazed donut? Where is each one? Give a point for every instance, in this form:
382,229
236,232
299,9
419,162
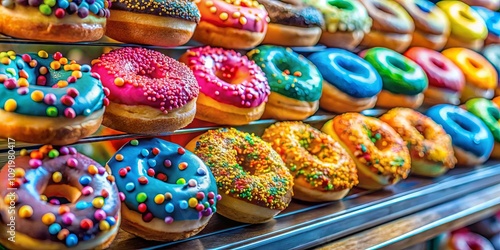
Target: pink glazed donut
151,93
233,89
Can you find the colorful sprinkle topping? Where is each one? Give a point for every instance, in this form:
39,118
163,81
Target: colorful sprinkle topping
62,8
182,9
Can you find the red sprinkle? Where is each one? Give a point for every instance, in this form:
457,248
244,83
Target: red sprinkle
122,172
181,151
147,217
57,56
161,177
142,207
104,193
143,180
86,224
151,172
156,151
26,58
59,13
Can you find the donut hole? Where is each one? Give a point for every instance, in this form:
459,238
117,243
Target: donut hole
383,8
462,125
466,15
474,63
64,193
423,7
397,64
438,63
349,66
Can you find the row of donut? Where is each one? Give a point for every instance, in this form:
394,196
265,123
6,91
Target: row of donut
237,24
158,190
47,98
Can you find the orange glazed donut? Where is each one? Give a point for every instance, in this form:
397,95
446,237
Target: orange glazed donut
430,146
480,76
232,24
253,181
323,170
380,154
392,25
432,27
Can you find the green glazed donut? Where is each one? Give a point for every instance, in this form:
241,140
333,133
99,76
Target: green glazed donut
288,73
343,15
400,75
488,112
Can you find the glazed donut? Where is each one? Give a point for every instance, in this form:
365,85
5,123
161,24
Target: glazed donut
350,84
489,113
380,154
430,147
295,82
322,169
152,94
490,4
62,200
403,80
432,27
292,23
231,24
347,22
233,89
169,193
48,98
155,22
481,79
492,20
446,80
467,240
253,181
468,29
492,54
57,21
392,25
472,140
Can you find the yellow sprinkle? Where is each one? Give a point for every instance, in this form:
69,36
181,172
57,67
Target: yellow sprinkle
55,65
10,198
56,177
25,211
119,81
19,172
95,61
62,84
213,9
98,202
119,157
10,105
43,54
48,218
209,3
223,16
22,82
11,53
193,202
43,70
63,61
37,96
76,67
23,152
5,60
67,67
159,199
77,74
92,169
243,20
104,225
43,198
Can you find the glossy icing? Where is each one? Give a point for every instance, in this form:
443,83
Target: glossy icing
161,179
288,73
343,15
400,75
62,8
466,130
492,54
488,112
491,18
95,211
293,13
347,72
182,9
138,76
465,22
39,84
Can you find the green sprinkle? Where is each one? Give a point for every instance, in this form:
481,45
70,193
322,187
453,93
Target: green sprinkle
52,111
11,71
50,3
141,197
134,142
378,136
181,181
45,9
53,153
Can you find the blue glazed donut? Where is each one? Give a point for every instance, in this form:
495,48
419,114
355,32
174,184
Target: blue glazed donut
350,83
492,54
492,20
169,187
472,140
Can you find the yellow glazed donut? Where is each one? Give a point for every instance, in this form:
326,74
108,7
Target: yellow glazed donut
322,169
480,76
380,154
468,30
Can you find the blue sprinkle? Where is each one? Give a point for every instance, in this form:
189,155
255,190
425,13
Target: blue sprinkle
201,171
169,207
130,186
54,228
85,180
214,209
81,205
20,64
84,5
111,220
71,240
63,4
87,112
183,204
85,68
152,162
87,237
144,152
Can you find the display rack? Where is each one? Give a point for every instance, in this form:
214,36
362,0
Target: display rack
407,213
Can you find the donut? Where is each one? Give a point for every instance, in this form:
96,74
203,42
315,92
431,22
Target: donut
169,193
152,94
295,82
481,78
292,23
233,89
254,182
56,21
154,22
489,113
350,84
492,54
468,29
492,21
432,27
446,80
472,140
231,24
46,98
430,147
59,199
347,22
322,169
403,81
489,4
380,154
392,25
467,240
